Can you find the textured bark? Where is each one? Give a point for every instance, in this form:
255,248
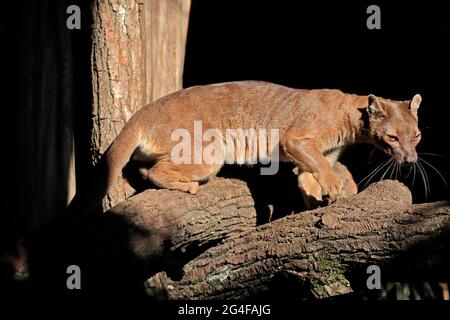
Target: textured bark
117,76
223,207
166,30
165,228
316,249
153,231
137,56
209,246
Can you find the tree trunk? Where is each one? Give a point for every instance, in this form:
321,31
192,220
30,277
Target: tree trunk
166,24
137,57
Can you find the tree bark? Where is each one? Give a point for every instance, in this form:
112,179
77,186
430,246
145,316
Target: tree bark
117,76
137,57
319,248
210,245
166,30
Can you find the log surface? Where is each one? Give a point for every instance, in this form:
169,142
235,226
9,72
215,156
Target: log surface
318,248
211,245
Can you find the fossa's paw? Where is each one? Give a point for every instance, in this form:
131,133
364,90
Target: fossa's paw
312,191
193,187
330,183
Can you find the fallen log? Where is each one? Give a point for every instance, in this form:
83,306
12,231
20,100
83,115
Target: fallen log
174,227
319,248
209,245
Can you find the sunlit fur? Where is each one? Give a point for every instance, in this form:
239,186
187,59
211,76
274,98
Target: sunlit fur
315,127
394,127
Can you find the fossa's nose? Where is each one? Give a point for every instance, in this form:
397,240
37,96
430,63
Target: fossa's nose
410,160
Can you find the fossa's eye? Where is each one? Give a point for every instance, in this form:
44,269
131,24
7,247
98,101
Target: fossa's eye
392,138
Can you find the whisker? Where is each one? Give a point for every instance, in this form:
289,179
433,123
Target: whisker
381,165
432,154
374,172
439,172
397,171
371,173
424,179
387,170
393,169
426,176
409,172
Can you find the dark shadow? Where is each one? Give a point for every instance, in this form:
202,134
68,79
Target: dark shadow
46,87
113,252
131,174
406,267
275,196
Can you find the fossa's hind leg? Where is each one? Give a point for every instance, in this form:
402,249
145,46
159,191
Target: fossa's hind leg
183,177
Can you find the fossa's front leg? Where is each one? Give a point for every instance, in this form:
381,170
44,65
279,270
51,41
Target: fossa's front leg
312,192
304,152
310,187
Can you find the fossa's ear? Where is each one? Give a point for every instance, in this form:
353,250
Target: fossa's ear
414,104
375,108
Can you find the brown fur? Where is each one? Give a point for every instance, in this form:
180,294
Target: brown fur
315,126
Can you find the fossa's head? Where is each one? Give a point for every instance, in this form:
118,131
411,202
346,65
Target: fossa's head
393,127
